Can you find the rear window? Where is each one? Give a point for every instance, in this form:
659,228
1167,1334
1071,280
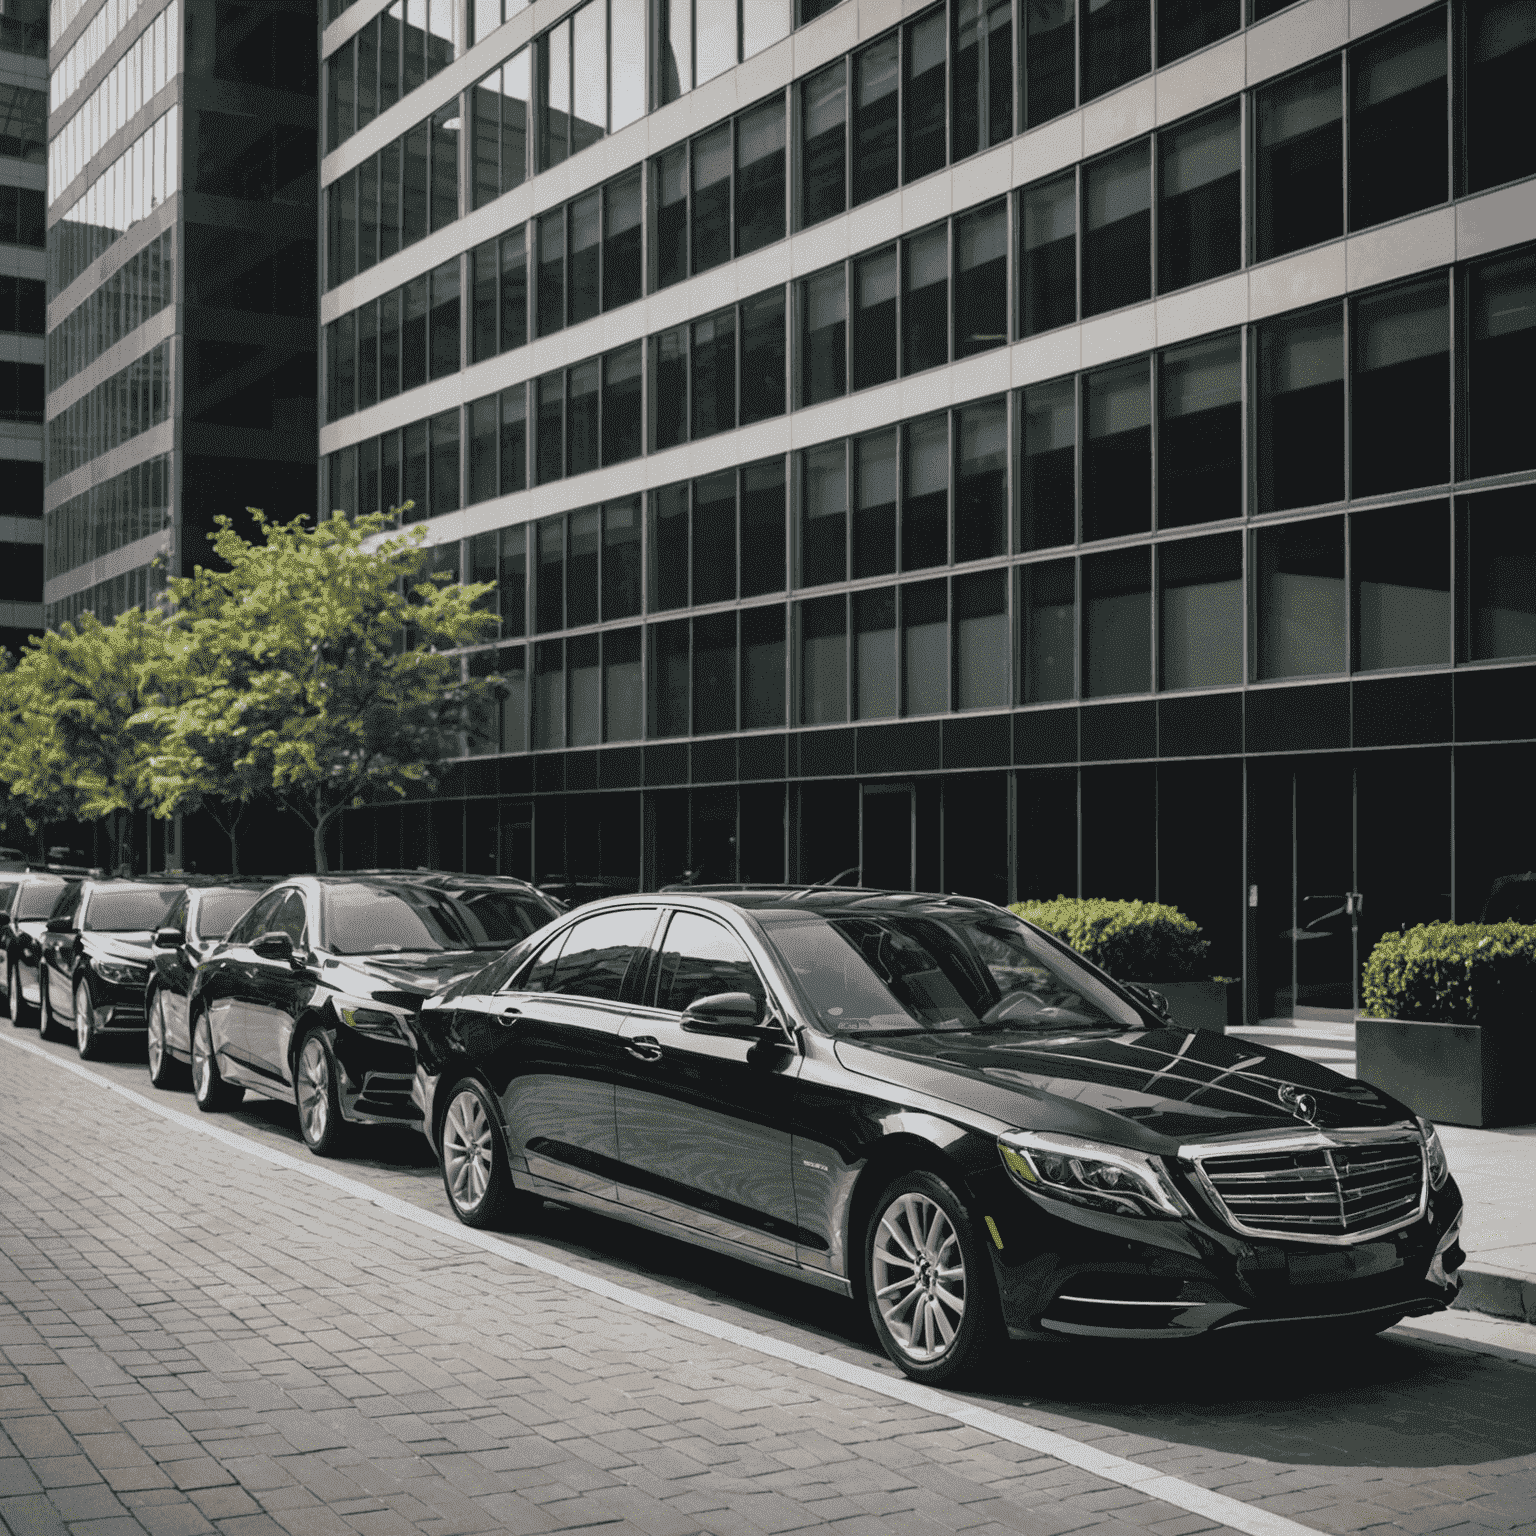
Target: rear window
36,900
8,891
219,911
387,919
130,911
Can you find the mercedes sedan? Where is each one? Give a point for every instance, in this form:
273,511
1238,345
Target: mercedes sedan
928,1104
29,902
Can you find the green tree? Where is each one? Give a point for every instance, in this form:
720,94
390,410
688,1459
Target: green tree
314,669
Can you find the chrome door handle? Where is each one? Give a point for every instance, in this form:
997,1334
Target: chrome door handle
644,1048
511,1013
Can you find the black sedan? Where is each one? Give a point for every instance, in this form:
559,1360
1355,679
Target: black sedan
311,995
96,957
197,922
28,900
924,1102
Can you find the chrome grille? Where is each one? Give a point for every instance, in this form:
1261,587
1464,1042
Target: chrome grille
1344,1191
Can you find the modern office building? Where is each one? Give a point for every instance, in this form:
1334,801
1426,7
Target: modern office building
23,122
181,255
997,447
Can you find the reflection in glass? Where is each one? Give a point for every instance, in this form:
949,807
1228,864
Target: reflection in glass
714,37
823,661
713,374
711,232
1301,599
585,236
675,32
1117,234
981,504
1117,622
875,334
760,177
823,145
875,120
548,695
1117,452
1048,261
983,85
823,344
1299,199
925,301
621,241
925,494
1400,403
762,667
589,119
874,656
584,691
672,216
824,530
874,522
762,356
981,640
1050,60
981,281
925,648
1200,212
1200,611
1047,625
1400,568
1200,436
922,112
623,686
627,20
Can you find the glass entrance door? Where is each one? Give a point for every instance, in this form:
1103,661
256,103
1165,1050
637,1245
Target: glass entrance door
887,837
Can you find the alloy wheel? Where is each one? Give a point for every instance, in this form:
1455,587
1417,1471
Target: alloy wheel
314,1090
17,1002
469,1150
919,1276
87,1036
202,1059
163,1066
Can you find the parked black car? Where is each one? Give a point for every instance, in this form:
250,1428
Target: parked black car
927,1103
311,995
201,917
26,899
96,956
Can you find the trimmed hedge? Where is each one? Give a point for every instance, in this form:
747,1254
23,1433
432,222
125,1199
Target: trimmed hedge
1453,973
1132,940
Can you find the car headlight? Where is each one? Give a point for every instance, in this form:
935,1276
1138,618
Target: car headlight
374,1021
1090,1174
123,973
1434,1154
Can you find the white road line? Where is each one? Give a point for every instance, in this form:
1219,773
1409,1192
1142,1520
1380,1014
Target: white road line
1115,1469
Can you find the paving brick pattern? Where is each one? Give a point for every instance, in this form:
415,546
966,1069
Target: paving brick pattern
192,1340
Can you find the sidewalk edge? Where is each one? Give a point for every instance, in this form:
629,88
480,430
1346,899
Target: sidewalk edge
1499,1293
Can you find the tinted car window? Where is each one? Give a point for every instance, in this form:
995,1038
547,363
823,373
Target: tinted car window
219,911
540,976
257,920
37,900
129,911
65,902
8,895
288,917
701,958
382,919
598,951
866,973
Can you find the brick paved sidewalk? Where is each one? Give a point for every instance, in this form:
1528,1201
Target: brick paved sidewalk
193,1339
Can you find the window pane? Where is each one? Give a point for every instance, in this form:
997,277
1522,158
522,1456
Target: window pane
1500,64
672,216
760,177
982,108
1200,215
1301,411
445,319
1398,143
1301,599
981,640
714,538
1117,631
514,438
550,574
1185,25
621,559
583,447
621,405
1501,384
925,494
762,667
1047,627
874,519
1117,238
923,104
1048,492
670,350
925,648
584,691
585,236
712,198
548,695
413,334
762,527
824,531
874,336
1299,199
627,19
714,674
623,686
669,547
516,97
484,283
675,37
714,37
874,654
589,120
925,302
1200,612
713,372
1048,265
1117,44
512,665
763,23
981,514
1400,402
486,18
1117,452
554,90
981,281
762,357
824,340
1400,565
823,661
585,536
445,164
621,241
874,120
445,463
514,290
484,439
1500,574
1050,60
823,144
551,290
549,453
1200,436
413,473
391,211
485,142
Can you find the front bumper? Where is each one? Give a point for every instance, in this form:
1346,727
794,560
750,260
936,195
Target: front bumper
118,1007
376,1076
1063,1271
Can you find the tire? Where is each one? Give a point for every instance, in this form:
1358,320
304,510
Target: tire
928,1282
21,1009
87,1035
164,1070
473,1157
208,1086
5,1002
47,1026
317,1098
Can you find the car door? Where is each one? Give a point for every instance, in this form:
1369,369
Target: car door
278,992
230,979
59,951
556,1052
175,967
704,1120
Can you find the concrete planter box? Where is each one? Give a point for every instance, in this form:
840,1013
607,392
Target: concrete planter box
1213,1005
1461,1074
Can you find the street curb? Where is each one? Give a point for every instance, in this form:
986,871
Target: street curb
1498,1293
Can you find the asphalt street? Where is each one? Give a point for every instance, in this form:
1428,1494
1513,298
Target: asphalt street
203,1327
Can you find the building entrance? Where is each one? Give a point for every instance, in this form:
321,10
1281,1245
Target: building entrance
888,837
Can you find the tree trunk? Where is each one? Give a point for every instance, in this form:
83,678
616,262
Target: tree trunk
232,831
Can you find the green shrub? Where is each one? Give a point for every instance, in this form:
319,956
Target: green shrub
1453,973
1132,940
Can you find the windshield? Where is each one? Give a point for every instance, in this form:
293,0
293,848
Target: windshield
130,911
219,911
380,920
887,972
36,899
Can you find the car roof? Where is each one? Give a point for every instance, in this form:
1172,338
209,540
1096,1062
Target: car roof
436,878
826,900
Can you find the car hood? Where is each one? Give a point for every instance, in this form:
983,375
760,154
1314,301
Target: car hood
421,973
138,947
1149,1089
